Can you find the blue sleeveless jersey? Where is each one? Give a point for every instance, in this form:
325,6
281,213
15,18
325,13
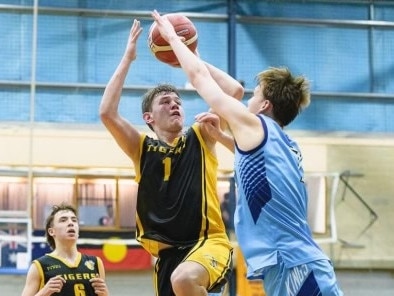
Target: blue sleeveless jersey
271,213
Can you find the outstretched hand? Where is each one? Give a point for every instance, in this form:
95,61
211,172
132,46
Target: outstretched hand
135,32
164,26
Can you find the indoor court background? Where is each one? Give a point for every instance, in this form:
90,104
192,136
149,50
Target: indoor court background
57,56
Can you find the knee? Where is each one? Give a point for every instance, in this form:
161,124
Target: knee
190,278
182,280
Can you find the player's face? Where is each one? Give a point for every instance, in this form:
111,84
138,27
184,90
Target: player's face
65,226
167,112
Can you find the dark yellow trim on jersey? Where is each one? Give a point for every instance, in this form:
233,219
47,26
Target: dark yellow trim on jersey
137,167
41,273
204,208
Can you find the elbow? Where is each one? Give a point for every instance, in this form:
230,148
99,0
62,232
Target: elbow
105,114
106,119
238,92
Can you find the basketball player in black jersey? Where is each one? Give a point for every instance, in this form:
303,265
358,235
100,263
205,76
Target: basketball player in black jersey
65,271
178,211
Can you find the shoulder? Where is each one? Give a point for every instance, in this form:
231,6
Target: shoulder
201,134
43,258
89,257
91,261
194,128
146,139
33,279
252,137
99,261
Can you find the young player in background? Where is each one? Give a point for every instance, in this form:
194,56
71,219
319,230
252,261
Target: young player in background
65,271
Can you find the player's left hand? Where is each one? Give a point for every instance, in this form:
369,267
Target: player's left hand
211,123
99,286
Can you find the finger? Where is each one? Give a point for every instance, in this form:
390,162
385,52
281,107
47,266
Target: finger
155,14
198,116
59,281
207,117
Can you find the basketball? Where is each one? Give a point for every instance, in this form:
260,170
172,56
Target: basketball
184,27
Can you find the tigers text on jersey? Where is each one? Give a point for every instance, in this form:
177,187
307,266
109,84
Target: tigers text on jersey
77,276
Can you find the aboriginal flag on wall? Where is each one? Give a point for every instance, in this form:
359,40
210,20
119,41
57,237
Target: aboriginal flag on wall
115,255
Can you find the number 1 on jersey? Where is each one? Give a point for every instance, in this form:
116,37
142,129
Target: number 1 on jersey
167,168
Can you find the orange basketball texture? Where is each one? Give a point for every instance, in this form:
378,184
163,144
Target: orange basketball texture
184,27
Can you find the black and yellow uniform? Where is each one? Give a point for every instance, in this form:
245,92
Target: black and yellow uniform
177,205
77,276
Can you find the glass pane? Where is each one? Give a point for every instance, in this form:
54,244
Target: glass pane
96,200
13,193
127,203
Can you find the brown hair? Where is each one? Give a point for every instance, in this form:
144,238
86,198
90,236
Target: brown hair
150,95
49,221
288,94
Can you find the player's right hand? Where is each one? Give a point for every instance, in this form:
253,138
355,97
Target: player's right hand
54,285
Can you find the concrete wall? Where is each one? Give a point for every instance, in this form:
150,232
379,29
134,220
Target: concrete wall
370,156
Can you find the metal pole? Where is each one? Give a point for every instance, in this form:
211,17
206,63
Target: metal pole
231,11
31,127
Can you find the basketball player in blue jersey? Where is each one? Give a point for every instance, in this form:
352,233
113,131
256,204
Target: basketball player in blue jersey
271,213
65,271
178,216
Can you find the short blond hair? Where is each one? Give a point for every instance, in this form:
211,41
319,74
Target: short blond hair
288,94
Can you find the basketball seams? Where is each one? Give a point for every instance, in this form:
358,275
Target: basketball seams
157,48
183,27
183,30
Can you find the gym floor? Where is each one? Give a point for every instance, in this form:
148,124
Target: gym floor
352,282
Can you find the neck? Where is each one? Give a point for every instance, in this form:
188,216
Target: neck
66,252
168,137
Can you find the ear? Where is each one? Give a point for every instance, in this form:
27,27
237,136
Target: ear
51,232
266,106
147,116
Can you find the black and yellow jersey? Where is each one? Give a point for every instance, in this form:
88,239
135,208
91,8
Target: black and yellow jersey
77,276
177,201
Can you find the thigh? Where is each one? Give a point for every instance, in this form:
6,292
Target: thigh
167,262
215,255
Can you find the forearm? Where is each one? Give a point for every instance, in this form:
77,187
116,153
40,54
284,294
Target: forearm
227,83
192,65
113,90
227,141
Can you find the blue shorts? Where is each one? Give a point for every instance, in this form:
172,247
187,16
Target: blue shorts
316,278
